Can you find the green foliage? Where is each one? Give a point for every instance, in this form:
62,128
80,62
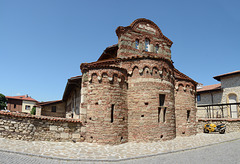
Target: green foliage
33,111
3,101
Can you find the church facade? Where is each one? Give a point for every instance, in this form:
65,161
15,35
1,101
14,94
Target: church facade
133,92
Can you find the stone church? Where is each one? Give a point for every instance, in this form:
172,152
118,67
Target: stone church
133,92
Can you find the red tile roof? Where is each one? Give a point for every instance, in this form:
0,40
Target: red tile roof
49,102
180,75
109,53
72,82
24,97
22,115
226,74
214,87
76,77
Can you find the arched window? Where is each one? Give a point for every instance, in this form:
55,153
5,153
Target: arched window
147,43
137,44
156,48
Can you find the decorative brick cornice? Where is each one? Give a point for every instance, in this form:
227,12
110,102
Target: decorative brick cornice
22,115
107,63
101,65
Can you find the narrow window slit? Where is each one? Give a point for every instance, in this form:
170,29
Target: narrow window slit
161,109
188,115
112,112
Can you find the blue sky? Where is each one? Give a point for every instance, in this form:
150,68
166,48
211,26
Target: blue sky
43,42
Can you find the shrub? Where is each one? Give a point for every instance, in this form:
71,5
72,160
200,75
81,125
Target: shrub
33,111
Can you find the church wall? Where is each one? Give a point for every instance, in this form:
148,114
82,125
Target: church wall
106,114
147,79
185,108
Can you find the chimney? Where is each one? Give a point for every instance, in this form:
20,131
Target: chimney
26,95
199,85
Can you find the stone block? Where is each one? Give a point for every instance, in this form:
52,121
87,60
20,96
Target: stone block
6,127
57,135
53,128
75,135
61,129
64,135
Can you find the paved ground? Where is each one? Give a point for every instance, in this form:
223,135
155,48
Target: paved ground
73,152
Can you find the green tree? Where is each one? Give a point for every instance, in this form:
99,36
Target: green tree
33,111
3,101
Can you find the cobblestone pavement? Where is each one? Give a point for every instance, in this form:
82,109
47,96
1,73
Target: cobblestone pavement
93,151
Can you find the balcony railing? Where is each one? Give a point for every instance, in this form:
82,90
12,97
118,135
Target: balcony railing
229,110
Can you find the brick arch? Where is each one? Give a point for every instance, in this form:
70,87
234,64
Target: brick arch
134,71
164,71
115,77
147,68
104,76
123,79
94,76
155,71
187,87
180,86
104,73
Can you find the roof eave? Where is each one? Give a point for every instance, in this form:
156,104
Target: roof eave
210,90
68,87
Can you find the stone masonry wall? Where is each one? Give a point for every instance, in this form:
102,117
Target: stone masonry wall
232,125
185,108
42,128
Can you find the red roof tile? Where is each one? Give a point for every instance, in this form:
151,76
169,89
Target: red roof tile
76,77
49,102
207,88
22,115
180,75
24,97
226,74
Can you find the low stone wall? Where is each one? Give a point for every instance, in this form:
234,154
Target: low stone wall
232,125
30,127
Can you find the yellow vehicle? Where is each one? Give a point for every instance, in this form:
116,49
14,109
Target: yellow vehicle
209,127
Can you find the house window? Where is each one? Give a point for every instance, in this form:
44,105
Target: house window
54,108
147,43
137,44
27,107
161,109
156,48
15,106
198,97
112,112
